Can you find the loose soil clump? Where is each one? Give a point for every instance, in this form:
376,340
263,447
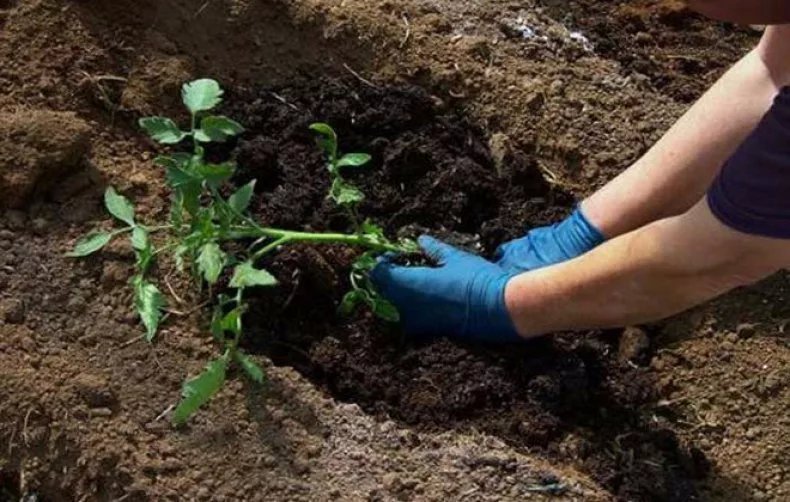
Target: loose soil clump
569,397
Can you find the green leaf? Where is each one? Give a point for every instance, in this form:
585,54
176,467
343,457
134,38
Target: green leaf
344,193
199,390
240,200
384,309
162,129
211,261
354,160
144,258
178,159
249,366
140,239
328,140
218,128
408,246
119,206
177,177
246,275
149,302
90,244
350,302
201,95
201,136
232,321
365,263
216,325
215,174
370,228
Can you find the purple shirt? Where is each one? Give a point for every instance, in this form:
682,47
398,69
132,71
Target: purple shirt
752,192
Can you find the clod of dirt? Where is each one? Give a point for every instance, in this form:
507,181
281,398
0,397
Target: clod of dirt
634,345
36,149
12,311
155,79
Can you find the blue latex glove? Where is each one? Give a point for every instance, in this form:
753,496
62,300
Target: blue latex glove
546,246
464,297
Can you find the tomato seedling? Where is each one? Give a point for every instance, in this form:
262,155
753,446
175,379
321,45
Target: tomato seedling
202,222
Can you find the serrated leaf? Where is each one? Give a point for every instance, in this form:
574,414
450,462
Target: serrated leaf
246,275
354,160
119,206
90,244
249,366
211,260
218,128
162,130
199,390
201,95
240,200
149,302
344,193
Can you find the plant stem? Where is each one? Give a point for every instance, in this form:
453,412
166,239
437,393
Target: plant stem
360,240
270,247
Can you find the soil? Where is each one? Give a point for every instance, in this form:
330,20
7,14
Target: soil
680,52
477,132
571,398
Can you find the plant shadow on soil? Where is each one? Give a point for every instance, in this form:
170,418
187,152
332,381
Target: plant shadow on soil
567,397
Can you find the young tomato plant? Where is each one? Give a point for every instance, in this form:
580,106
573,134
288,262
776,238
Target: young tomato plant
203,222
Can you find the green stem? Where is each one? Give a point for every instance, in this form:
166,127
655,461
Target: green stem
121,231
360,240
270,247
156,228
195,143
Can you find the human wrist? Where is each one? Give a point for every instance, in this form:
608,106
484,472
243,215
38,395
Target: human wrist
522,299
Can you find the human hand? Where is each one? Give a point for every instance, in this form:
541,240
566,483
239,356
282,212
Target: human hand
464,297
549,245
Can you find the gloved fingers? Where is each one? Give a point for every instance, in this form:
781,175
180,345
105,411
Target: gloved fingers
500,252
389,278
436,249
387,257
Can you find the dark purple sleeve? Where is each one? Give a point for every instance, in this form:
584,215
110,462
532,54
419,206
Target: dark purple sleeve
752,192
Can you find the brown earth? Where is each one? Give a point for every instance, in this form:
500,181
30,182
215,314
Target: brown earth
82,395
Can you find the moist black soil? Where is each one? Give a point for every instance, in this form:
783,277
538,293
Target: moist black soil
566,397
681,53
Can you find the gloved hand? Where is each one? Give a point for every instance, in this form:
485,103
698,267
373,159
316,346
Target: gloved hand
464,297
546,246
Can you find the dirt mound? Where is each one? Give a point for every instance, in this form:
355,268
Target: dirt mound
37,147
569,397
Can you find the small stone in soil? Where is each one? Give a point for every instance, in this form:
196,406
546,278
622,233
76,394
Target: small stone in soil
634,345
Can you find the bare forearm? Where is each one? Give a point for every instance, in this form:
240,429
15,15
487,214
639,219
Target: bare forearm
675,173
646,275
